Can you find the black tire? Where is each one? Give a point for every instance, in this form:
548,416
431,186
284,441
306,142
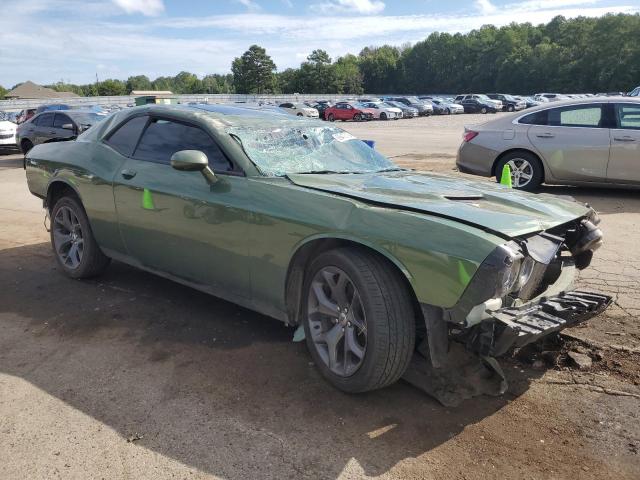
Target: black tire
537,176
390,322
510,108
93,261
383,116
483,110
25,146
447,111
357,117
331,118
299,115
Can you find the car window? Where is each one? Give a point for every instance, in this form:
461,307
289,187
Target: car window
162,138
45,120
628,116
576,116
61,120
536,118
34,120
124,139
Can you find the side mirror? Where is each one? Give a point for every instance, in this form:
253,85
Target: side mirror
193,161
67,126
189,160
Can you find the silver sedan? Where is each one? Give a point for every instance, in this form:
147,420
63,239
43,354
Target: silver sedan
593,141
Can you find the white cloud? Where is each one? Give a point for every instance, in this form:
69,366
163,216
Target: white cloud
250,4
485,6
145,7
365,7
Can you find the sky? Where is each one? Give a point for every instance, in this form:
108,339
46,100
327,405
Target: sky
74,40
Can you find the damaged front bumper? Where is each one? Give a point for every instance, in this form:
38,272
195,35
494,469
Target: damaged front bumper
515,327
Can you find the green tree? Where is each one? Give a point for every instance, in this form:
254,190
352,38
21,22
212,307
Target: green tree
254,72
3,92
347,78
139,82
112,87
379,67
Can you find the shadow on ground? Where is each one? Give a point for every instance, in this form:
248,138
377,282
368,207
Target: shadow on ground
213,385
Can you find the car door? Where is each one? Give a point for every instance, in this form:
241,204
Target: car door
341,111
574,142
624,160
44,130
470,105
175,221
60,120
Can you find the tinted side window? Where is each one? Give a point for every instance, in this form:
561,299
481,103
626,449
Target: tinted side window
536,118
628,116
60,120
577,116
35,120
45,120
124,139
163,138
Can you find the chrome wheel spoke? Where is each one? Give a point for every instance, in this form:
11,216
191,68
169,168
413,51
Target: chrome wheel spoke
332,339
325,305
67,237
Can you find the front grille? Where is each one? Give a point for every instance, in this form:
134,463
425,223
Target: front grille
4,136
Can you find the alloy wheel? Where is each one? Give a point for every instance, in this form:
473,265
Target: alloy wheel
337,321
521,172
67,237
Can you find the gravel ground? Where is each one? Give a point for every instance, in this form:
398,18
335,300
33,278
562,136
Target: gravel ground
132,376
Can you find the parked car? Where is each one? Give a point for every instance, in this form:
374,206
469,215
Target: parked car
320,106
578,142
25,115
52,107
382,111
7,133
52,126
551,97
480,99
437,109
407,111
348,111
477,105
299,109
529,101
304,223
450,107
509,103
423,109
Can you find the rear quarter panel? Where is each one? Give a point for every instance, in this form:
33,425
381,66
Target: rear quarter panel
88,168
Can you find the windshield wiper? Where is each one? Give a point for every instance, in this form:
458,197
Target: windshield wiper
392,169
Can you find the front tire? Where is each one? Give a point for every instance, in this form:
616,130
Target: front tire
510,108
483,110
357,117
74,246
358,320
383,116
331,118
25,146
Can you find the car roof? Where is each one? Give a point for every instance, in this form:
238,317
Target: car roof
582,101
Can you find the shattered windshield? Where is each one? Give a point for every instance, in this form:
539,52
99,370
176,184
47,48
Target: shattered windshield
282,150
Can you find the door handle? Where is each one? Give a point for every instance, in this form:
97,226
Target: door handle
624,139
545,135
128,174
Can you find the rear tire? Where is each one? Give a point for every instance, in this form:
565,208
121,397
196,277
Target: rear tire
383,349
383,116
528,164
331,118
483,110
357,117
74,246
510,108
299,115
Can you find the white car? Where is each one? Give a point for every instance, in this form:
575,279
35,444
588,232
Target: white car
7,134
299,109
382,111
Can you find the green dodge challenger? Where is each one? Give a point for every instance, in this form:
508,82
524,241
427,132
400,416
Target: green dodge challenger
301,221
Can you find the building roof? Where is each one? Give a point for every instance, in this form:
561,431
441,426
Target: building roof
29,90
155,93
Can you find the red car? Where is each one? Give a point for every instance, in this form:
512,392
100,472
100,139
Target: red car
348,111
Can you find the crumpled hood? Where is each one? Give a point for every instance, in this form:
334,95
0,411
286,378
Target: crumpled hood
484,204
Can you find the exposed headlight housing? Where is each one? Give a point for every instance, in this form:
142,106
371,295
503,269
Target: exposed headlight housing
509,270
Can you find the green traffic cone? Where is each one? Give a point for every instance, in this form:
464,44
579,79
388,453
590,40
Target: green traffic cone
505,179
147,200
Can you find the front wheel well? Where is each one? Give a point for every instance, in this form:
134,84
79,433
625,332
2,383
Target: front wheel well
512,150
305,255
56,191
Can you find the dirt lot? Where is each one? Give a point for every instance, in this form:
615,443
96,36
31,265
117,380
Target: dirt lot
132,376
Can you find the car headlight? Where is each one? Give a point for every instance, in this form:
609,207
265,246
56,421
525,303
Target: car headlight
509,271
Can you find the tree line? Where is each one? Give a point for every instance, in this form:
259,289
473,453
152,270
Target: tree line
565,55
